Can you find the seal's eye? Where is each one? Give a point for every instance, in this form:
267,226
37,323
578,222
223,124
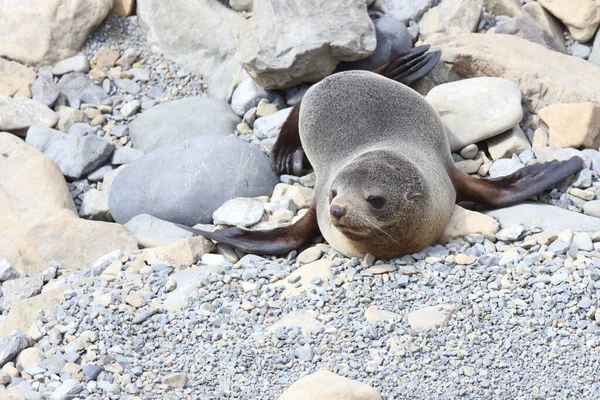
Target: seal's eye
376,202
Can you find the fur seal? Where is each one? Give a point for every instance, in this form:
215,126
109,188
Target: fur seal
386,183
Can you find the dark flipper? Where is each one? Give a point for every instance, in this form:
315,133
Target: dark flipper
275,241
407,68
516,187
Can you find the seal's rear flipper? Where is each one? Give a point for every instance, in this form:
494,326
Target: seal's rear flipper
410,66
407,68
275,241
516,187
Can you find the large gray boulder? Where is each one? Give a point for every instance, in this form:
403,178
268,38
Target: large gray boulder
288,42
172,122
200,34
188,181
44,32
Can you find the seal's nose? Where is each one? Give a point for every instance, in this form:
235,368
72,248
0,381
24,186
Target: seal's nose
337,211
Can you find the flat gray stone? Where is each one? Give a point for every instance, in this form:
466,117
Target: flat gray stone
76,156
172,122
95,206
247,95
128,85
270,126
187,182
69,389
44,89
550,218
77,88
154,232
527,29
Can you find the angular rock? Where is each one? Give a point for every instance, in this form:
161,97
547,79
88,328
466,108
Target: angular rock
544,76
476,109
95,206
464,222
126,155
288,42
17,115
505,166
43,32
31,357
187,282
13,76
392,39
247,95
508,143
76,156
128,86
19,289
301,196
69,389
44,89
325,385
11,346
106,57
200,34
77,88
78,63
592,208
175,121
152,232
545,154
242,212
270,126
72,242
374,314
511,8
550,218
184,252
404,10
430,317
7,272
539,14
451,17
525,28
68,116
26,312
573,125
176,380
580,16
187,182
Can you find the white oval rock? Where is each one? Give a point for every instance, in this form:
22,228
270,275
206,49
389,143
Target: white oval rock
241,211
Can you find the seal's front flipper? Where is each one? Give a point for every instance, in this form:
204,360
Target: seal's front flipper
283,154
514,188
275,241
410,66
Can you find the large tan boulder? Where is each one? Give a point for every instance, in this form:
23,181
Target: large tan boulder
573,125
14,76
43,32
450,17
580,16
325,385
73,242
544,76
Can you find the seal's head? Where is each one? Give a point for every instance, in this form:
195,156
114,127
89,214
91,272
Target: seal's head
376,199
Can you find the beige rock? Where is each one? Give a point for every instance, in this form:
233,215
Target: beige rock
300,195
451,17
14,76
124,8
241,5
26,312
184,251
321,269
98,76
31,357
135,300
23,93
374,314
541,138
177,380
43,32
544,76
309,255
508,143
11,395
68,116
430,317
464,222
306,320
74,243
583,194
539,14
265,108
573,125
580,16
325,385
512,8
106,57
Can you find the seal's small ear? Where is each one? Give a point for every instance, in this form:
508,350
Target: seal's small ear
275,241
514,188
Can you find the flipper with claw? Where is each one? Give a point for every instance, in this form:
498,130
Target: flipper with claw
516,187
274,241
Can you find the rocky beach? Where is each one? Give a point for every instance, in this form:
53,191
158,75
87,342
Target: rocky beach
120,119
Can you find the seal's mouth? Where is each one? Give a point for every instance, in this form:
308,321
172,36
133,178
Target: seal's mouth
351,231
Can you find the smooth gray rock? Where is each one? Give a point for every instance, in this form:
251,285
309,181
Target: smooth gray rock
527,29
7,271
239,212
392,39
19,289
78,63
130,108
594,156
11,346
91,372
128,86
579,50
404,10
77,88
175,121
287,42
550,218
126,155
187,182
200,34
99,174
76,156
17,115
247,95
80,129
154,232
